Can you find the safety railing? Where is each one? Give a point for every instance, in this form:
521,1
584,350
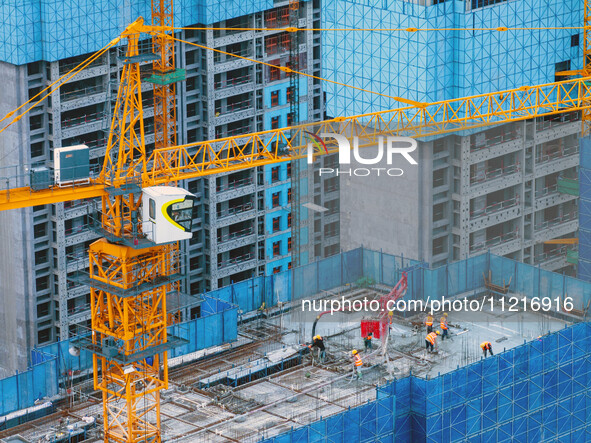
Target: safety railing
75,262
79,310
236,184
548,190
12,177
277,18
494,241
79,272
277,44
102,142
493,173
550,255
568,185
66,67
83,119
244,129
78,93
567,217
233,107
495,207
231,82
223,58
235,235
476,143
235,210
555,120
555,154
236,260
74,230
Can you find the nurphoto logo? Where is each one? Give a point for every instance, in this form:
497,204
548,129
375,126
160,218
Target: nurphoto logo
387,147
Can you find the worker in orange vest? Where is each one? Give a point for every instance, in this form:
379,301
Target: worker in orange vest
444,327
367,341
429,322
486,346
431,340
357,363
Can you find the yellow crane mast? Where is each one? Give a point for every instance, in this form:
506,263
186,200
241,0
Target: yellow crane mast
128,278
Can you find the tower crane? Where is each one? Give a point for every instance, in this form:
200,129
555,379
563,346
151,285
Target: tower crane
130,270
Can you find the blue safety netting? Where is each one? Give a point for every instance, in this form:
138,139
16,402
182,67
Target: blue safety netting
340,270
584,268
538,391
250,294
22,389
370,422
216,325
466,276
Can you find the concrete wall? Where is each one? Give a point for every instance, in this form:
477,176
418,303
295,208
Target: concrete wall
383,212
16,285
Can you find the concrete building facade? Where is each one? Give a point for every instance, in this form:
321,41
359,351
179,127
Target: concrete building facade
499,190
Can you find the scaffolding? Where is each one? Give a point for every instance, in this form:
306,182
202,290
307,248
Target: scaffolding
447,63
534,392
584,253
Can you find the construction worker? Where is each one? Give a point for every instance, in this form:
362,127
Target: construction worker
429,322
367,341
444,327
390,317
319,343
486,346
430,341
262,311
357,363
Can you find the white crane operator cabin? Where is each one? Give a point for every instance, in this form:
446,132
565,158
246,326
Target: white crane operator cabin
167,214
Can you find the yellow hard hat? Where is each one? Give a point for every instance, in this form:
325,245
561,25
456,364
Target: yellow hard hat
438,332
445,313
354,351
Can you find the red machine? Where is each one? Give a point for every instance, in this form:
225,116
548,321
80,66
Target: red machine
379,326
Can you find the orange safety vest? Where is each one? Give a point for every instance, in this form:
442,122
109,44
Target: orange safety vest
357,360
429,321
485,345
431,338
443,323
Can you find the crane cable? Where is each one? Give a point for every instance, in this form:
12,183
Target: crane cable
76,70
62,80
289,70
289,29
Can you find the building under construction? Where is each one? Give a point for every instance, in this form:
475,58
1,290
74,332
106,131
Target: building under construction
249,377
189,313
